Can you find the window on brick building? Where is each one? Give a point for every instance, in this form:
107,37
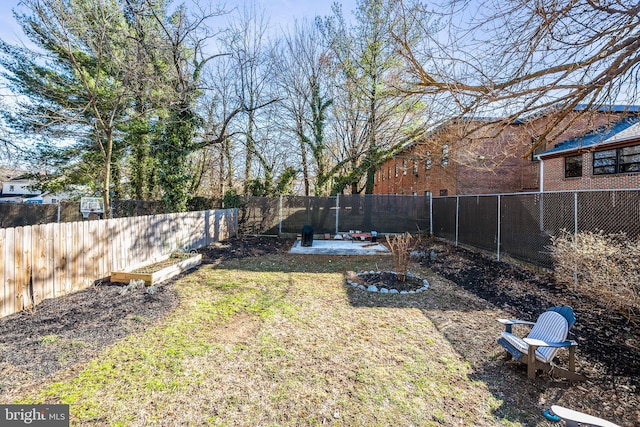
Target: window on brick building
404,166
415,166
427,161
445,155
573,166
389,172
395,169
536,149
444,192
617,160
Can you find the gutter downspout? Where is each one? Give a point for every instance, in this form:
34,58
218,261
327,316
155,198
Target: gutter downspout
541,174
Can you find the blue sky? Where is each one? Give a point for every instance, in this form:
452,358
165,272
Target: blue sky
281,12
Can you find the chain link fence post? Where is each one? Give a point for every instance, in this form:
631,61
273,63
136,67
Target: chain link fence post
457,218
337,212
430,214
498,230
280,217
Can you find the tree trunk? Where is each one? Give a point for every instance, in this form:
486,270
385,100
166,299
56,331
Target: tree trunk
249,157
106,182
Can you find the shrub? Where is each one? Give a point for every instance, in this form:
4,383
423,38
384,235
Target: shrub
602,266
401,247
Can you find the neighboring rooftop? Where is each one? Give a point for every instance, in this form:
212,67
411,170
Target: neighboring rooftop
625,129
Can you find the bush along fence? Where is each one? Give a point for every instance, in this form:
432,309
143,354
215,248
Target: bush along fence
50,260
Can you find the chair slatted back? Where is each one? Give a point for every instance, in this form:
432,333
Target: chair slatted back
567,312
551,326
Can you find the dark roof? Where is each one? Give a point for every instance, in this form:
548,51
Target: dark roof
610,108
592,138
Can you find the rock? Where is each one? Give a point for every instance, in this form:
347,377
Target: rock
132,286
384,290
404,292
151,289
394,291
372,288
362,287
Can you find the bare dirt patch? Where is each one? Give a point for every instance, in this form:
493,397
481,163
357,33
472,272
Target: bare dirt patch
239,329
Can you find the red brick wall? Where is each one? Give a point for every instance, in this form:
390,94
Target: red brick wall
433,180
554,179
490,159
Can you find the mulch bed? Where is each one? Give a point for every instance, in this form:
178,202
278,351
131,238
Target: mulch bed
606,338
386,279
608,351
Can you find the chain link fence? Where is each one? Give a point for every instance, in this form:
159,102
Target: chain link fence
335,214
521,226
518,226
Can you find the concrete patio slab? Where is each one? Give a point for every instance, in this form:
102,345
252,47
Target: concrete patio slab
340,247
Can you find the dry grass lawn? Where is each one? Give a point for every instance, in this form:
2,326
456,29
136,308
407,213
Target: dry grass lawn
281,340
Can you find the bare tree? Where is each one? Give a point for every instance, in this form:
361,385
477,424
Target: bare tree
527,57
303,78
374,118
247,43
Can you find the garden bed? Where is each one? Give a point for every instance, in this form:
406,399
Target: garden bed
160,270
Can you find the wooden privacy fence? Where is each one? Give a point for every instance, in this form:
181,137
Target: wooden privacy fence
50,260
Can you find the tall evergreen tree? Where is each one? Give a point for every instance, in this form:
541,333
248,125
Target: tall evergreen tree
74,83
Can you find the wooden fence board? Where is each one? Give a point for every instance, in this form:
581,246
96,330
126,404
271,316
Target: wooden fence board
10,271
19,274
69,257
56,255
93,270
49,285
51,260
104,245
39,267
78,256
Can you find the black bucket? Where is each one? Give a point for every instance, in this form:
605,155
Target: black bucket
307,235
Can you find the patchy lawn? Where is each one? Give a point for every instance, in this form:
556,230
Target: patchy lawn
260,337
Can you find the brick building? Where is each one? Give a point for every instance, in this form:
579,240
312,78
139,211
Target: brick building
482,156
606,158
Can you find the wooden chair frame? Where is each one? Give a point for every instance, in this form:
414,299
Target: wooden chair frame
533,363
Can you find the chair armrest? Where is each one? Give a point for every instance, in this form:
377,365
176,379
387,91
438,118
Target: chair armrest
541,343
515,322
508,323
